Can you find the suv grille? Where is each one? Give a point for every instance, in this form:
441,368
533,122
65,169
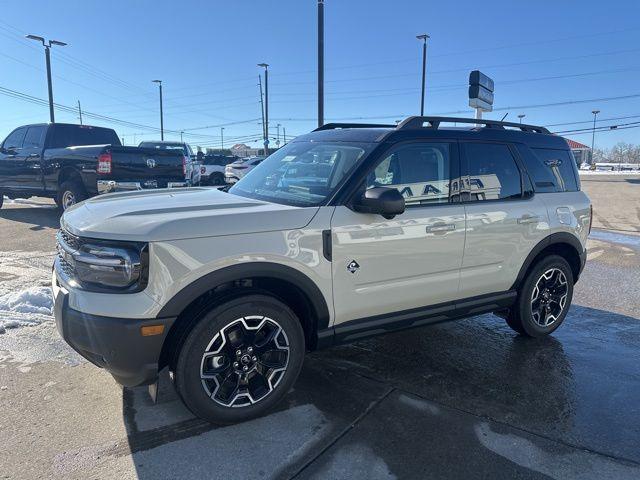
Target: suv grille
66,241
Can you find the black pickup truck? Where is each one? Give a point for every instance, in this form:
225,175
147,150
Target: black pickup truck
70,163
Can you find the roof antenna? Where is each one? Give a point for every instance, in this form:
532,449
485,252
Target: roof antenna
505,116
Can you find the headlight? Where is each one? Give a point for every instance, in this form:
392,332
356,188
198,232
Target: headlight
103,265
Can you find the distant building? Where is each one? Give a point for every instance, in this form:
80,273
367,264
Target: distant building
581,152
242,150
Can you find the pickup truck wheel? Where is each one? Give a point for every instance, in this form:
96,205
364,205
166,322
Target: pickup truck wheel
544,298
240,359
1,199
69,194
217,179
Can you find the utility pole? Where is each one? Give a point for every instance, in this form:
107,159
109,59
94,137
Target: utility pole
278,136
266,107
593,134
80,112
47,55
264,132
320,63
284,136
159,82
181,136
222,137
424,38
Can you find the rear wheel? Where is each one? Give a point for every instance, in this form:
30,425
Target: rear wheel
240,359
217,179
70,193
1,199
544,298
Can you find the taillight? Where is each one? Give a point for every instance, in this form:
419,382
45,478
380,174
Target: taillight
184,165
104,163
203,170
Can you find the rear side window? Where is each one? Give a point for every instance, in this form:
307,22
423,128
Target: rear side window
15,138
492,172
35,137
553,170
76,136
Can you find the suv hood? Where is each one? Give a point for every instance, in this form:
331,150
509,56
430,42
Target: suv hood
171,214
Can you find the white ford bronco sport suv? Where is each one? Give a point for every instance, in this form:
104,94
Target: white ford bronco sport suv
349,231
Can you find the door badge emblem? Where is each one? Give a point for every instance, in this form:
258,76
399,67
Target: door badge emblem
353,266
151,163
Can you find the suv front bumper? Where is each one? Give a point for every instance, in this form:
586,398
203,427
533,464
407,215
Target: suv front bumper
115,344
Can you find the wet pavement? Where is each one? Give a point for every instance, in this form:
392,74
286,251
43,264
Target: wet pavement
468,399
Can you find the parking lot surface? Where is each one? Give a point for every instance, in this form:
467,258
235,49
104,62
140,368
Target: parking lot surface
468,399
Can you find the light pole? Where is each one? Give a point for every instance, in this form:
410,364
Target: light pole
521,116
47,54
424,38
278,136
159,82
320,63
266,107
593,133
222,137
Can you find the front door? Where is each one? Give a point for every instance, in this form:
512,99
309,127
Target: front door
12,159
413,260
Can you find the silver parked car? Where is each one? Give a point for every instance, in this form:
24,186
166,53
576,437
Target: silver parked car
238,169
346,232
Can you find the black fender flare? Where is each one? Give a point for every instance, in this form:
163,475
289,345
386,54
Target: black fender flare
206,283
553,239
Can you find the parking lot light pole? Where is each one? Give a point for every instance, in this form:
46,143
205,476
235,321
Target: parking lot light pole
320,63
424,38
159,82
47,54
521,116
266,107
593,133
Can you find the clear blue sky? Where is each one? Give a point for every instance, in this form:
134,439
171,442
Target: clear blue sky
206,54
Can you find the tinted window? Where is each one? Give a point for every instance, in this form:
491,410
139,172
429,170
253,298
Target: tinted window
420,172
76,135
35,137
15,138
553,170
492,172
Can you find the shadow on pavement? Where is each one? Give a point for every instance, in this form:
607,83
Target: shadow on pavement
463,399
40,216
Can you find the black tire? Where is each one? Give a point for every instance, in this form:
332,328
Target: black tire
216,179
1,199
206,398
70,193
539,313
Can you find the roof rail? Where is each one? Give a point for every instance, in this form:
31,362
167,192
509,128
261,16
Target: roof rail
333,126
434,122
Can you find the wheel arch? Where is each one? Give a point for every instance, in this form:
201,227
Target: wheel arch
564,244
287,284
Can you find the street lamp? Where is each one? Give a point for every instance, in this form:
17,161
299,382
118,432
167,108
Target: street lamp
266,107
593,133
47,54
521,116
222,137
159,82
424,38
320,63
278,136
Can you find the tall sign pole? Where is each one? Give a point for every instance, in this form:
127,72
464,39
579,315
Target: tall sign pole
424,38
480,93
320,63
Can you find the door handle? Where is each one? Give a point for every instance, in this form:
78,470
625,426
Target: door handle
441,227
529,219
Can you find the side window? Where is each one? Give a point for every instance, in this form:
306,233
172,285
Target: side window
34,137
15,138
420,172
492,172
553,171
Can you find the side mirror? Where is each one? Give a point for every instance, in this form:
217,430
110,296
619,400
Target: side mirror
384,201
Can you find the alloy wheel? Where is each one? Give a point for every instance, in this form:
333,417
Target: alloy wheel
244,361
549,297
68,199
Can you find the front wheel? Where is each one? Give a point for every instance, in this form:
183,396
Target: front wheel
240,359
544,298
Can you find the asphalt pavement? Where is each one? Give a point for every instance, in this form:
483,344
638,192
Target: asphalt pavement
467,399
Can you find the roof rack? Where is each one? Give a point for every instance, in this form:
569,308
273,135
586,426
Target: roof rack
333,126
434,122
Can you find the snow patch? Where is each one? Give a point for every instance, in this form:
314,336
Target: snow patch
26,307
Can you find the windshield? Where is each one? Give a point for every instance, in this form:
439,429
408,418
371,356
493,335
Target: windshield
301,173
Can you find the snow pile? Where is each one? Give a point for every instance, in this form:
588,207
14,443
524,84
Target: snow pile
25,307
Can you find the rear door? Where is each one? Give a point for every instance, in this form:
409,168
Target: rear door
413,260
12,159
504,220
